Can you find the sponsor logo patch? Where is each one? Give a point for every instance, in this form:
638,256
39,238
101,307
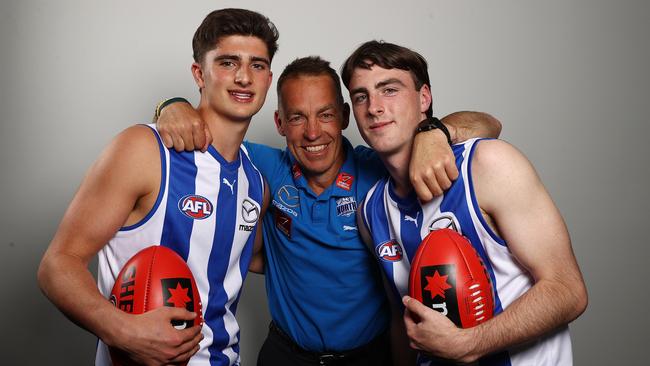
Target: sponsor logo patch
389,251
250,212
289,196
282,222
195,206
439,290
346,206
295,170
177,292
344,180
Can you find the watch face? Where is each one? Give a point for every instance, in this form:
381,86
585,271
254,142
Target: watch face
428,124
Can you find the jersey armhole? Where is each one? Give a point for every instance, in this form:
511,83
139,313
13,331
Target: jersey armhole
477,210
161,189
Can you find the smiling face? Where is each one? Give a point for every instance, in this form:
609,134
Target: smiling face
311,119
234,77
387,107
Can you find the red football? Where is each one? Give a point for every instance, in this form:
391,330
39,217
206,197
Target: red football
156,276
448,275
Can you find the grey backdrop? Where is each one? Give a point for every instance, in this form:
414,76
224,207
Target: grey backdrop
568,79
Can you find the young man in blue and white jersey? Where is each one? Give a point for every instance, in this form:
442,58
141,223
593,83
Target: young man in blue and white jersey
498,202
135,196
324,290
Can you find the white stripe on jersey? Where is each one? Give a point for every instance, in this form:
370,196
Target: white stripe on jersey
203,232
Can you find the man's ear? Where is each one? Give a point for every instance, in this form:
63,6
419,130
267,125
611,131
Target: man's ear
197,73
346,116
425,98
278,123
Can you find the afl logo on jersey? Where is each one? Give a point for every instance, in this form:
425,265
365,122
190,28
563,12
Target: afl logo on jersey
195,206
389,251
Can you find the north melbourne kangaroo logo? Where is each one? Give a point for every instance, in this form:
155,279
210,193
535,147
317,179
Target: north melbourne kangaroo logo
231,185
414,220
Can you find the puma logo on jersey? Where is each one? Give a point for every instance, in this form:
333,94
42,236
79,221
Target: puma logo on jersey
349,228
414,220
231,185
195,206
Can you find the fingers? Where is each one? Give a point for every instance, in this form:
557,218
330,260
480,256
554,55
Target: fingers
179,145
415,307
167,139
421,188
208,138
452,170
434,180
179,313
188,139
182,358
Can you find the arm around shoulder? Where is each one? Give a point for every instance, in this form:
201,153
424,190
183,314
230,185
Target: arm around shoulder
432,168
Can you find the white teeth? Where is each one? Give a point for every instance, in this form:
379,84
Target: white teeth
315,148
242,95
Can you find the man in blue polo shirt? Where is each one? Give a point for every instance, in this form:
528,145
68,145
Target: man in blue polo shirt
324,290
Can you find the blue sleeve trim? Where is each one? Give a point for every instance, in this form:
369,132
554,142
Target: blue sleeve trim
161,189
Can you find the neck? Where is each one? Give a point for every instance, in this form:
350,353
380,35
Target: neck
397,165
227,135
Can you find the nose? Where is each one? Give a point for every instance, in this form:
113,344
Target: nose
242,77
375,106
312,129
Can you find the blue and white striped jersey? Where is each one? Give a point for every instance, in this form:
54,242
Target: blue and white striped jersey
207,211
407,221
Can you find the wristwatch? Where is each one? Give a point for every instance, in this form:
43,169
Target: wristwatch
432,123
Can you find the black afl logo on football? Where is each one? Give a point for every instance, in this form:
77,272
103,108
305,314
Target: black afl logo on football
439,290
177,292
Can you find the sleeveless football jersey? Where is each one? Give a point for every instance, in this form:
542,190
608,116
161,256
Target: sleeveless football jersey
207,210
407,221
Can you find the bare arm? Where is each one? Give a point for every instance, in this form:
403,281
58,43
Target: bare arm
510,192
114,192
257,262
432,167
402,354
181,127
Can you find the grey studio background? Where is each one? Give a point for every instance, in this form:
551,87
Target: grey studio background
568,79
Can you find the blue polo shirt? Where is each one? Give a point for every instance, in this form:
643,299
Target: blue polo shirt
324,288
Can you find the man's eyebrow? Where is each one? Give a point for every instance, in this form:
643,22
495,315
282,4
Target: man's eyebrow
261,59
326,108
383,83
227,57
358,90
378,85
238,58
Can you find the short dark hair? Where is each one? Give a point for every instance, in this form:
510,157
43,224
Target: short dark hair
388,56
311,66
229,22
